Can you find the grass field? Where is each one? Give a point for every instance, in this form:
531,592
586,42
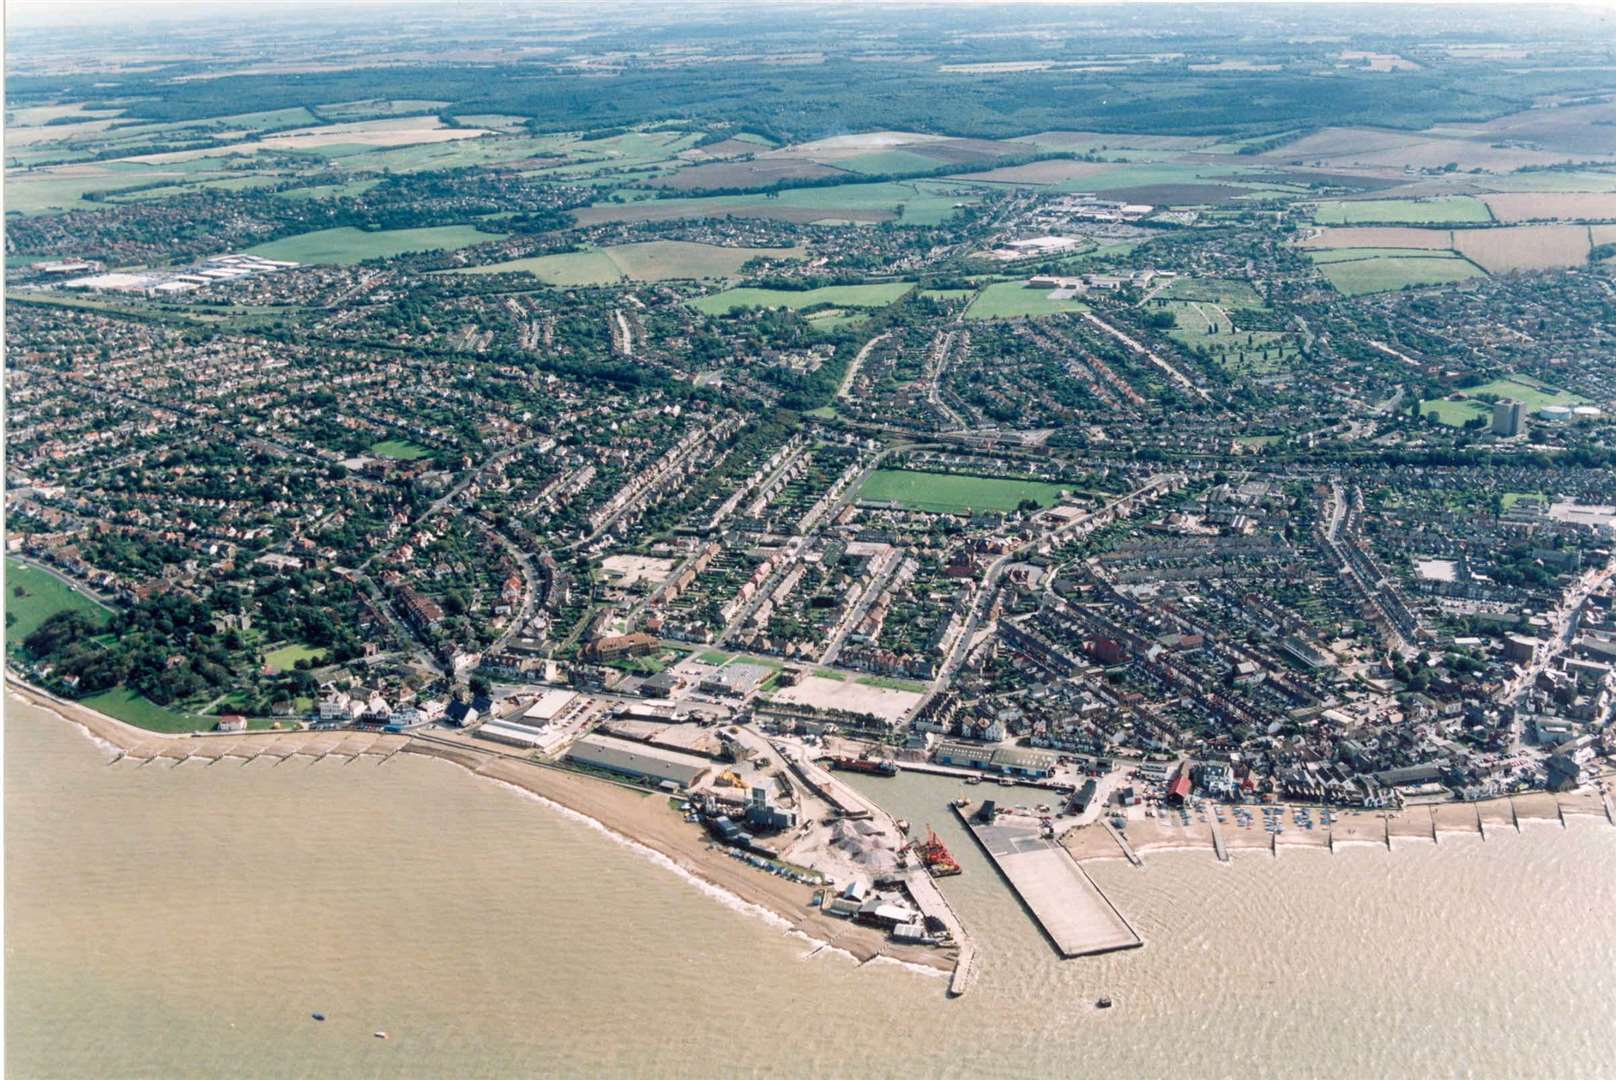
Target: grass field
839,295
656,260
1013,300
1357,277
946,493
887,683
137,709
286,657
399,449
347,245
1455,413
1443,210
1529,392
43,595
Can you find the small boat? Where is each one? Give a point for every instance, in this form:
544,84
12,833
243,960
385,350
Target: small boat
903,825
379,1034
1103,1003
973,779
319,1016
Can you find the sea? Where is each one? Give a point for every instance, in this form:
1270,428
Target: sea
189,920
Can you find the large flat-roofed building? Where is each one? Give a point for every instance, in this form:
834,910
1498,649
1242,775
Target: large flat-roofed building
638,760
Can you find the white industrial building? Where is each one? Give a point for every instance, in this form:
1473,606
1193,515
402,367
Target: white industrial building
638,760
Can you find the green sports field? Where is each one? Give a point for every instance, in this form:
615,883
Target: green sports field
947,493
1356,277
1013,300
399,450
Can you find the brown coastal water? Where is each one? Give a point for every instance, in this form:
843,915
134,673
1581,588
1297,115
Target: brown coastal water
170,921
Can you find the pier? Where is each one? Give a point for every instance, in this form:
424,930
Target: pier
1070,909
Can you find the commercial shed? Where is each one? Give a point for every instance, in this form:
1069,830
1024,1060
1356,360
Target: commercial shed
638,760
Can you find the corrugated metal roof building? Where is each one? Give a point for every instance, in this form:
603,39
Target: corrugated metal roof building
638,760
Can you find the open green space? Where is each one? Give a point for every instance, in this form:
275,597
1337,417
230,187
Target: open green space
399,449
1356,277
1013,300
655,260
948,493
887,683
1528,391
286,657
34,595
347,245
840,295
135,708
1455,413
1442,210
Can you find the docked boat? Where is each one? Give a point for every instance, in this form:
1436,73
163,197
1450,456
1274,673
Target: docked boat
935,857
869,766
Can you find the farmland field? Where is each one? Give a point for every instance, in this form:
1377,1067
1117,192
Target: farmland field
1524,247
1549,206
1013,300
399,450
1389,237
656,260
43,595
1383,274
947,493
756,173
840,295
1438,211
347,245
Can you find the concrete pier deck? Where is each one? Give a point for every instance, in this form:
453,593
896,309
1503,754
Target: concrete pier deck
1071,910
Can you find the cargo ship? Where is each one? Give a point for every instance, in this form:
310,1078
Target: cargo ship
864,765
935,857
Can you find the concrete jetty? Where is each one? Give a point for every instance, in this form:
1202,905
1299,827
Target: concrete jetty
1070,909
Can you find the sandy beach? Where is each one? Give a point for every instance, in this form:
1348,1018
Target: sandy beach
631,815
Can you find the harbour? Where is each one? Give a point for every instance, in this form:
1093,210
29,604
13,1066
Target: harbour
1069,908
103,978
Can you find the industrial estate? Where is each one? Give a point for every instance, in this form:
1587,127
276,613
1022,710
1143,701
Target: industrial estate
1166,475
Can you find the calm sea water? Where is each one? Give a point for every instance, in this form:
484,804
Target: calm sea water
168,921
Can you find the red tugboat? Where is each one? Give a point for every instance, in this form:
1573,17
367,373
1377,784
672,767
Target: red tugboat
864,765
935,856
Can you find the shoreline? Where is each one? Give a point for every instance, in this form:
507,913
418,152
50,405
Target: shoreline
1389,829
638,820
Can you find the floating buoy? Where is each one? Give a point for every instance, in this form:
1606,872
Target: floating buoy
319,1016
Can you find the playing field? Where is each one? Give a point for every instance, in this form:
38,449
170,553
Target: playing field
1528,391
347,245
1444,210
399,449
1455,413
1358,277
657,260
1013,300
839,295
946,493
32,596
